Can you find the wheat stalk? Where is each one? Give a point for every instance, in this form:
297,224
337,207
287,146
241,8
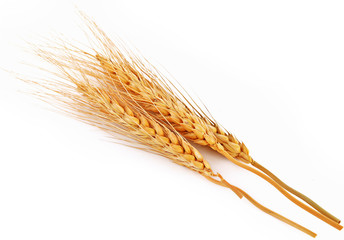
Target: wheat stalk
203,132
81,89
147,87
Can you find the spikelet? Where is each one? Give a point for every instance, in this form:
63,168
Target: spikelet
139,82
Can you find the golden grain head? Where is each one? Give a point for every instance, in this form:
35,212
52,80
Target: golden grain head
84,91
111,88
139,81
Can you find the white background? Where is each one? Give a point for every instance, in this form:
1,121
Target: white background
270,71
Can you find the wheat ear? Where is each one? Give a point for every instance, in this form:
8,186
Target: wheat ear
188,125
82,91
150,89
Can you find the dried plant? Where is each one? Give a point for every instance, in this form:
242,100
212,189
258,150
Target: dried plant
139,82
114,90
82,89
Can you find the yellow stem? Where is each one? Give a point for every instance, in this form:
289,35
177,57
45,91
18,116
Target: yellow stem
224,183
284,192
295,192
231,187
